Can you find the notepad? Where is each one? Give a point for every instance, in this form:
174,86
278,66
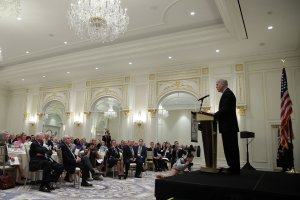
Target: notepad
15,162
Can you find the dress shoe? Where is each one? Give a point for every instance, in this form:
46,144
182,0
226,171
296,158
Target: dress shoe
125,176
50,187
44,189
86,184
138,176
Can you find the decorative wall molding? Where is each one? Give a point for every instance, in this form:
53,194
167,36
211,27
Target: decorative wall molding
61,94
164,83
116,88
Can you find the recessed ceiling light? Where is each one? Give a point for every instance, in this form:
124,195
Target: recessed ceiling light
65,42
44,76
130,63
19,18
23,79
270,27
27,52
192,13
217,50
96,68
170,57
68,72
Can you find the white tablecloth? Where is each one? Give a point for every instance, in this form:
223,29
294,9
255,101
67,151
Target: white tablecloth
21,154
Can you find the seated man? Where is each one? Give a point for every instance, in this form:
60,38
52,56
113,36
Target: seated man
72,161
179,166
114,158
40,159
130,156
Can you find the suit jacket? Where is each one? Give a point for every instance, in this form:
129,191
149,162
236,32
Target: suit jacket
35,160
107,140
69,160
127,153
113,153
143,152
226,116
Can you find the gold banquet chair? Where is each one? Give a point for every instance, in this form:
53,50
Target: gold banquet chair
5,167
32,174
149,160
75,176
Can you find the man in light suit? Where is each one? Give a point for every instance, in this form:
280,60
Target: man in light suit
228,126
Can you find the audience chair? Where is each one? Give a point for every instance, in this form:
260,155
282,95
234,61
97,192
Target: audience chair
4,168
75,176
32,174
132,168
149,160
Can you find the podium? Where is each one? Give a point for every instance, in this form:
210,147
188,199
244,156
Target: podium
208,127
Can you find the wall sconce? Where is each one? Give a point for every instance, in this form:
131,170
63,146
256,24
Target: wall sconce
139,119
78,119
32,120
139,123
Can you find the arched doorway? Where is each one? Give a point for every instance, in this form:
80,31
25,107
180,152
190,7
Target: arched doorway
106,114
174,117
54,118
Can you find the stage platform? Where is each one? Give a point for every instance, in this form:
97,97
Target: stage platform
250,184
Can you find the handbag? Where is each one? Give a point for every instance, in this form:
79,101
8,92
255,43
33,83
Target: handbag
6,182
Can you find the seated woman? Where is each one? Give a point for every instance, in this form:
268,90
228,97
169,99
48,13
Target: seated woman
114,158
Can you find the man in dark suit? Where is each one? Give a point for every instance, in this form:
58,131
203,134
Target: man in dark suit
40,158
141,155
72,161
130,156
228,126
107,138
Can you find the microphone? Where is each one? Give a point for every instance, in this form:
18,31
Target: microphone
201,99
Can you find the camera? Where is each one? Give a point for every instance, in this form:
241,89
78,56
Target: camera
190,164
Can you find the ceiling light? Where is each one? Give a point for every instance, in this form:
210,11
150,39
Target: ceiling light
19,18
10,7
23,79
96,68
68,72
44,76
217,50
98,20
1,58
192,13
65,42
27,52
130,63
270,27
170,57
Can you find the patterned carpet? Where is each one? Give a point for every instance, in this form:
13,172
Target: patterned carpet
108,189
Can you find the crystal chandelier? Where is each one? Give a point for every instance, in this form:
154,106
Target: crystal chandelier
102,20
110,113
10,7
162,112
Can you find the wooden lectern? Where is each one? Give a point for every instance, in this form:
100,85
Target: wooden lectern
208,127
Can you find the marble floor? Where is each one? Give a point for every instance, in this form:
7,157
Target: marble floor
108,189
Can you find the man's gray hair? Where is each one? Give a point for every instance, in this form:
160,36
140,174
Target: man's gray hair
223,82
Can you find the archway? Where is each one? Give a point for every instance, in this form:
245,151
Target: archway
106,114
54,118
174,117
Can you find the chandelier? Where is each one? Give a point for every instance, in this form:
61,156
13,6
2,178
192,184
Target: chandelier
103,20
10,7
110,113
162,112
